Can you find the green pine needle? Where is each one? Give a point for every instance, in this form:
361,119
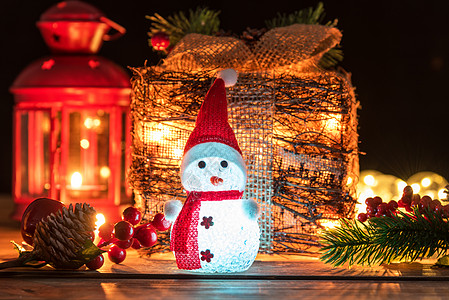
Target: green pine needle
176,26
308,15
405,236
315,16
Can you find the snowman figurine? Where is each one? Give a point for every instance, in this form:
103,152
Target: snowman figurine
215,230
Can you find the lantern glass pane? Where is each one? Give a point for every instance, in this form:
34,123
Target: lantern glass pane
88,162
33,148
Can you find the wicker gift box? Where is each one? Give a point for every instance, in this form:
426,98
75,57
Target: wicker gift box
295,123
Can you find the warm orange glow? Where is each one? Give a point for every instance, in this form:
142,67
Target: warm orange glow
105,172
329,224
84,144
101,219
76,180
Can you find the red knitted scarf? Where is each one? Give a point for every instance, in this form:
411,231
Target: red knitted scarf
184,235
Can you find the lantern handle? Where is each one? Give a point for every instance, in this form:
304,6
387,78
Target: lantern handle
120,29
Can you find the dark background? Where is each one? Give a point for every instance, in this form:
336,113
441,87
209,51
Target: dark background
397,52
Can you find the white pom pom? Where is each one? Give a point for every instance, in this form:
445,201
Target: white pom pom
229,76
172,209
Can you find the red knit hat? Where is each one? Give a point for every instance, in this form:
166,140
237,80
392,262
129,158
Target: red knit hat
212,121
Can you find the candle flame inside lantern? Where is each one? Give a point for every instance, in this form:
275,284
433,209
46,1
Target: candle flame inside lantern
101,219
76,180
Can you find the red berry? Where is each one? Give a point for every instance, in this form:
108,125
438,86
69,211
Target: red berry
141,226
408,208
124,244
416,198
379,214
116,254
147,236
407,200
408,191
105,231
362,217
123,230
96,263
435,203
371,210
103,243
401,203
136,244
382,208
369,201
446,210
438,208
377,201
392,205
160,222
132,215
34,213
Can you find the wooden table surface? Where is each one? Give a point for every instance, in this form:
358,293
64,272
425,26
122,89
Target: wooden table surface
270,277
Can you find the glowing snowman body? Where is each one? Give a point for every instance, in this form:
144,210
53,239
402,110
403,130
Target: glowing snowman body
216,230
227,229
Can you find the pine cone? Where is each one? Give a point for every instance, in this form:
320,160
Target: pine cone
60,238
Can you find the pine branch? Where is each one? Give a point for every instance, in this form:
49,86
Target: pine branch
176,26
308,15
314,16
381,240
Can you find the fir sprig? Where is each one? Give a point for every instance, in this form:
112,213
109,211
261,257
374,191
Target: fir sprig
406,236
314,16
308,15
202,20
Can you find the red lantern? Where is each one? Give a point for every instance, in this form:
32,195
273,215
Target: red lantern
71,116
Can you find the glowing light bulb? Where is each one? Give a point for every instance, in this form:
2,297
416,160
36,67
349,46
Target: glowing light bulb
88,123
84,144
401,186
97,122
105,172
426,182
369,180
349,182
76,180
416,188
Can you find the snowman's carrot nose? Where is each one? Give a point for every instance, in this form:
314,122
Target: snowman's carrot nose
215,180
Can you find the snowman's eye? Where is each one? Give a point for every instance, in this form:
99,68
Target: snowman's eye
224,164
201,164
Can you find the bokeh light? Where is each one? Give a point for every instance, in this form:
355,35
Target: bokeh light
388,187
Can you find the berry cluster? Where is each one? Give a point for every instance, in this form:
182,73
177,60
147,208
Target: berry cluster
126,234
375,207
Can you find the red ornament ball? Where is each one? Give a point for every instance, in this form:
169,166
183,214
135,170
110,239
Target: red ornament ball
160,41
132,215
34,213
160,222
123,230
96,263
116,254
